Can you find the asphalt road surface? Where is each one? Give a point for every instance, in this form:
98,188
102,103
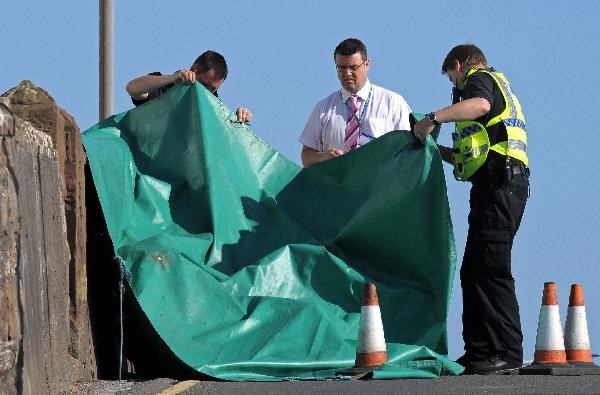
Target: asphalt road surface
508,384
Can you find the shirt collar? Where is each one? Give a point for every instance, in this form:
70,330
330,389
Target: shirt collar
363,93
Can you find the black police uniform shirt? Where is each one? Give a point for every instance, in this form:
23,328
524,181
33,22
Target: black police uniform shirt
480,84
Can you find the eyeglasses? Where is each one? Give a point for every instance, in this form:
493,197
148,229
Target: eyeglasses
353,68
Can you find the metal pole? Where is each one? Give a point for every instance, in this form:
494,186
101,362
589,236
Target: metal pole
106,58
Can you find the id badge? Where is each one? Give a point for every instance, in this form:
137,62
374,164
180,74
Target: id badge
364,139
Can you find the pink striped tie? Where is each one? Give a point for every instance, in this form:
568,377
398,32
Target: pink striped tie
352,130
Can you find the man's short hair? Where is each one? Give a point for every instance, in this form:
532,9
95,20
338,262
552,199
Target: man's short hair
211,60
467,54
349,47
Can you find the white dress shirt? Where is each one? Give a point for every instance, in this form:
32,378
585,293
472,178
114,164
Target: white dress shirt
326,126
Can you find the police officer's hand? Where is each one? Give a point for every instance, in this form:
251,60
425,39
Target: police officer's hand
423,128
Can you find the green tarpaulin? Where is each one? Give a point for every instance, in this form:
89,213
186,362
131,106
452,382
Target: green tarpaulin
252,268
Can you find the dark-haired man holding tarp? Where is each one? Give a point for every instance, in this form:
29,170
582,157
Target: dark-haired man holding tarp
209,69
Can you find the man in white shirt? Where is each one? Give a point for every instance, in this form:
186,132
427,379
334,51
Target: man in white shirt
354,115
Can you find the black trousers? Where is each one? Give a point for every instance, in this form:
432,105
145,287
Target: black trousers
491,321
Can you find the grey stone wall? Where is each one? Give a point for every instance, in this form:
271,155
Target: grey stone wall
45,336
10,325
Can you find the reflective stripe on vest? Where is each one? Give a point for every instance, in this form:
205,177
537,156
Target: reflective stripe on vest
471,141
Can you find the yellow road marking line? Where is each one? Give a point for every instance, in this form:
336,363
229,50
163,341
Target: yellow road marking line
179,387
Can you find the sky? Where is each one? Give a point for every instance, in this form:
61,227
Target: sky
280,64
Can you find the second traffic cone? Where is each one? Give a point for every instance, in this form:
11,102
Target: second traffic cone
577,339
550,356
371,350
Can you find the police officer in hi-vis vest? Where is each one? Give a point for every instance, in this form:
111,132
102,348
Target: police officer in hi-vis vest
489,151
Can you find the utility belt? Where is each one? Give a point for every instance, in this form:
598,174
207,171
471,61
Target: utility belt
499,172
517,169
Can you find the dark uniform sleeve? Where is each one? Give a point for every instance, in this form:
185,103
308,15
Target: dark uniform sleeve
480,85
153,94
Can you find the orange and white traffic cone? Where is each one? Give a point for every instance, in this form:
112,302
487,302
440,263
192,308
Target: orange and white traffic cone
577,339
550,357
371,350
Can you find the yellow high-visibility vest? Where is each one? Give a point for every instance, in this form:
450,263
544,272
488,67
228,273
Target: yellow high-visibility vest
471,141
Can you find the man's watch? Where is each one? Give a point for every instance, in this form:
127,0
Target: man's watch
431,116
